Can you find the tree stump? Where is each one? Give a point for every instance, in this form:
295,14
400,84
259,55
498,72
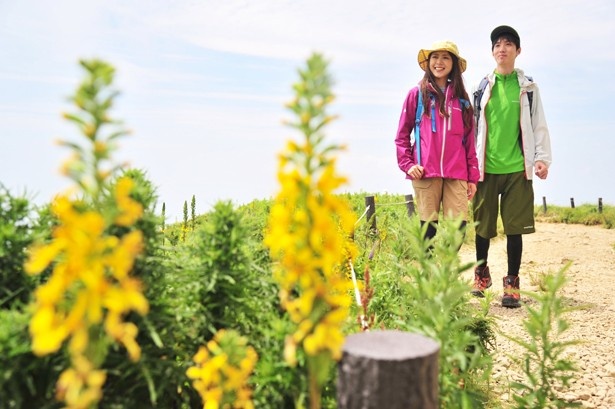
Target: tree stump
388,369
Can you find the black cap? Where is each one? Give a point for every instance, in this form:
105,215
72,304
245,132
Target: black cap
505,31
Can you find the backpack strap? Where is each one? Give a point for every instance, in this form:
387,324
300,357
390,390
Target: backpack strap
478,95
417,122
530,94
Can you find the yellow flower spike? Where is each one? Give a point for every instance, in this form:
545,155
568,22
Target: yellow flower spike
308,234
222,370
90,266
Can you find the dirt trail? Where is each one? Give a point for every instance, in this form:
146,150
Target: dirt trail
591,285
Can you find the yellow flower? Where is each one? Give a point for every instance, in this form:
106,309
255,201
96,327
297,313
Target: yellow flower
89,285
81,386
222,370
47,331
309,228
42,256
129,210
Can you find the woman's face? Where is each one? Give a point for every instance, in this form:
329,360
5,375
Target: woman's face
440,64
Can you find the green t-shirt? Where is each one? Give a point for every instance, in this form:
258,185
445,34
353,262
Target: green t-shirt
502,113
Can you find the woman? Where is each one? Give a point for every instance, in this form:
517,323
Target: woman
440,158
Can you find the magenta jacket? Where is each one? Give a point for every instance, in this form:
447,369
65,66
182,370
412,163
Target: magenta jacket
449,152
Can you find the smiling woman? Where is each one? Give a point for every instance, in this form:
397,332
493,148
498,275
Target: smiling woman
435,138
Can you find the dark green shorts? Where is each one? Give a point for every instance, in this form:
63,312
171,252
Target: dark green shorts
512,195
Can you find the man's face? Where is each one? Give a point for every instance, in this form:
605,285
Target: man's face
505,51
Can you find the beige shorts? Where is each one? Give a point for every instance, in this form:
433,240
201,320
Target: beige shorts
451,194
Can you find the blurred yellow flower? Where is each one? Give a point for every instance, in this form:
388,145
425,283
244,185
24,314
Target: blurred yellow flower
309,231
222,369
89,290
129,210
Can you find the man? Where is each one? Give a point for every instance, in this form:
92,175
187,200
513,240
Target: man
512,143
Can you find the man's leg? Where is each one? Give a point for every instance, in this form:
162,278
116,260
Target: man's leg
482,277
518,219
514,249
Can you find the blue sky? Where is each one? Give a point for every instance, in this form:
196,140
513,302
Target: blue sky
203,86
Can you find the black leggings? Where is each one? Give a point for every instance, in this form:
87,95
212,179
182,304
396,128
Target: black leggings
514,249
432,228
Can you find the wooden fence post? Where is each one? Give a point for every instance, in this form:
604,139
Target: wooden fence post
370,204
572,202
388,369
544,204
599,205
410,205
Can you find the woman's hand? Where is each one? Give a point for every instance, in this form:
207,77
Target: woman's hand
471,190
416,172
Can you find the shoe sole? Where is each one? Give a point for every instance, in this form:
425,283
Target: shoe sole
510,303
480,293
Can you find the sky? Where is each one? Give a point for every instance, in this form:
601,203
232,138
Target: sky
203,87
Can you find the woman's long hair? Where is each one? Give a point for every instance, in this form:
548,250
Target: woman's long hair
428,86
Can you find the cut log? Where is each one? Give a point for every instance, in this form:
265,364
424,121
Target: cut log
388,369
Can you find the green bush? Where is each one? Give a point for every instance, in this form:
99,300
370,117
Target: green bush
545,361
16,234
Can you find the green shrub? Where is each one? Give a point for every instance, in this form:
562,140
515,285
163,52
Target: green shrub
545,361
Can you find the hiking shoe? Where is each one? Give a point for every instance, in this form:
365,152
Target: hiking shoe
482,281
511,292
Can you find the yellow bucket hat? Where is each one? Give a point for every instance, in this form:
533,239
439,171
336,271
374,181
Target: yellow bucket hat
445,45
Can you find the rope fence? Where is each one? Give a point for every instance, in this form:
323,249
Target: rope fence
370,208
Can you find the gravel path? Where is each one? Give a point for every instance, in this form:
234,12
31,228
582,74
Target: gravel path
591,285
